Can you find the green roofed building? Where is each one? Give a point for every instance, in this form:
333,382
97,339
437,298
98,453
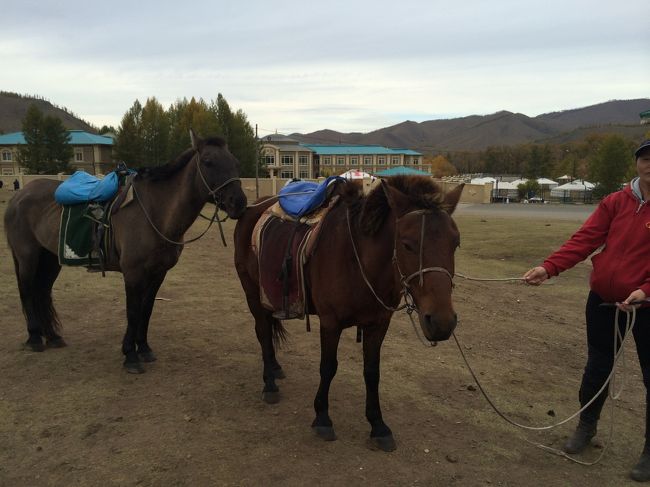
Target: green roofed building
92,153
287,158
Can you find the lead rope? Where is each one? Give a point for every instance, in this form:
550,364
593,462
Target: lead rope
619,352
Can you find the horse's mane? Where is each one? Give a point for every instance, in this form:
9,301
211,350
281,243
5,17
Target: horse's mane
371,210
160,173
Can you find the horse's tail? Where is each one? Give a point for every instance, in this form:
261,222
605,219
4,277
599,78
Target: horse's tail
279,332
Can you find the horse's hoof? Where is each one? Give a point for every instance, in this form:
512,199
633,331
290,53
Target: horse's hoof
34,346
383,443
56,343
147,356
134,367
279,373
325,432
271,397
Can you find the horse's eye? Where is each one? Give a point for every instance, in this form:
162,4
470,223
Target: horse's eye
408,245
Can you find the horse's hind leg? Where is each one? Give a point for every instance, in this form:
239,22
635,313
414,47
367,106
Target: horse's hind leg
49,269
36,271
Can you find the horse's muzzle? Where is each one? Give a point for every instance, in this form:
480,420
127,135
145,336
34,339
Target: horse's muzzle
234,204
437,328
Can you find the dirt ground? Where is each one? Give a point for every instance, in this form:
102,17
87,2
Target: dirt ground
73,417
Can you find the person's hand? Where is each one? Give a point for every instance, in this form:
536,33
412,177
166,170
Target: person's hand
536,276
637,295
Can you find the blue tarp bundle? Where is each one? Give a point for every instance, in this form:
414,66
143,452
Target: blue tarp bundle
82,187
301,197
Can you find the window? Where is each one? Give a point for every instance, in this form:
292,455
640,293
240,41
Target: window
340,161
286,173
416,160
268,160
304,174
381,160
327,161
7,171
78,155
394,160
354,161
303,160
6,156
367,161
287,160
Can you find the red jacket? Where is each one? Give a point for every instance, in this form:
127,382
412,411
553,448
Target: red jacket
622,223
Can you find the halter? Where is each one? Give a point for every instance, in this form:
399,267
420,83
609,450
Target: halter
212,192
409,301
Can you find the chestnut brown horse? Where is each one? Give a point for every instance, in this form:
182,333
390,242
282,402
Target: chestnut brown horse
146,239
399,240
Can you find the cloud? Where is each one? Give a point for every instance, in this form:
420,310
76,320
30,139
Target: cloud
348,66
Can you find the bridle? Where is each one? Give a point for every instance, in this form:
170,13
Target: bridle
211,192
409,301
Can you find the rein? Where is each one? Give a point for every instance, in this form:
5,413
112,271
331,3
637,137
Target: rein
215,216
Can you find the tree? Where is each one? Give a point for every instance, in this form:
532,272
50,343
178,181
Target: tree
610,164
539,162
58,151
47,147
154,131
128,142
440,166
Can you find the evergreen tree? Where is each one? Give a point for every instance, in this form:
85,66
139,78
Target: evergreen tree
154,130
58,151
31,154
128,142
243,144
610,164
47,149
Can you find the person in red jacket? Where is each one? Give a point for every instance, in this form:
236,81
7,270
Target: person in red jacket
621,275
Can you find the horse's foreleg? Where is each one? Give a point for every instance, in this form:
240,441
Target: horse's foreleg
380,435
144,350
329,342
135,290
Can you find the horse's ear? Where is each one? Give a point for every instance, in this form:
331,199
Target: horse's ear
452,198
196,141
397,200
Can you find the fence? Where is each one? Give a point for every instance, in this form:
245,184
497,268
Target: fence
473,193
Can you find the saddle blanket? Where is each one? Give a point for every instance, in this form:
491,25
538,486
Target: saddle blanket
76,236
281,280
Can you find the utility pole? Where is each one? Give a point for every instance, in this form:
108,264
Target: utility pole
257,165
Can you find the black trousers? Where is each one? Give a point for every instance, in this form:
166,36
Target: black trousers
600,355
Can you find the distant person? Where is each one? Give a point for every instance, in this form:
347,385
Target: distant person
16,185
621,275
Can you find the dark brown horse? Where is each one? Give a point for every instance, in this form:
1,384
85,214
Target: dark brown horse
146,237
399,240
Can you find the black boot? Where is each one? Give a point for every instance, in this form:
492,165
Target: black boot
641,471
581,438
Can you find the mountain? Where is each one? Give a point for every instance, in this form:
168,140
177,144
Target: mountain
477,132
13,108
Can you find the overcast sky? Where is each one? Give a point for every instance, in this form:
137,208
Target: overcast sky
300,66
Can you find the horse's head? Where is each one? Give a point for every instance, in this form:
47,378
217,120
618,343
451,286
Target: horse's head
426,239
219,171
